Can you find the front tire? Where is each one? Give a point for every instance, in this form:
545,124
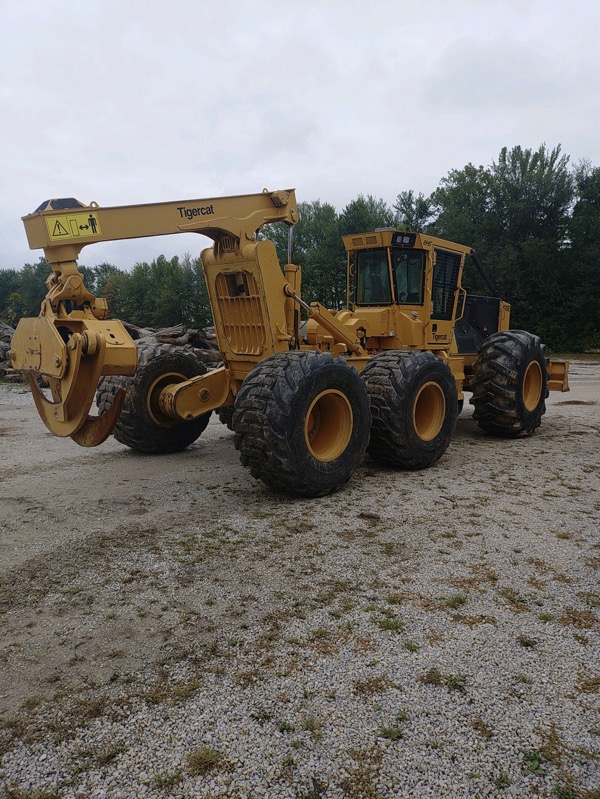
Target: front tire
510,384
301,422
414,402
141,425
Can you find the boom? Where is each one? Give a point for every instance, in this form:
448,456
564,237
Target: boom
63,232
71,342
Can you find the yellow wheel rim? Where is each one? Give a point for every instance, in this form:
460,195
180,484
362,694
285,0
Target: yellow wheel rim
153,398
429,411
328,425
532,386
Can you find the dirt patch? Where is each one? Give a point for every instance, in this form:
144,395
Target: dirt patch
118,570
110,559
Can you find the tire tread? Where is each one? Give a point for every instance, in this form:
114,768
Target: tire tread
264,415
389,376
497,384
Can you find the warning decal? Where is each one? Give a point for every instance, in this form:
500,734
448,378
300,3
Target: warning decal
73,226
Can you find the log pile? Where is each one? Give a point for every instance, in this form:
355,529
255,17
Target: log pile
6,334
201,343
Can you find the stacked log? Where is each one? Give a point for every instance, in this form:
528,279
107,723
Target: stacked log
7,373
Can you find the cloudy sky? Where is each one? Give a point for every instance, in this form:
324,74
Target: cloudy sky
135,101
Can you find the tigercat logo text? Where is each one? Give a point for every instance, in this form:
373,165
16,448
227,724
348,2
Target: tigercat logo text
190,213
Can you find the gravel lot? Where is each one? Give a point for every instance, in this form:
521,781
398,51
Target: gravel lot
170,627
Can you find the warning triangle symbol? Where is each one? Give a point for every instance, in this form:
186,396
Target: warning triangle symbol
59,230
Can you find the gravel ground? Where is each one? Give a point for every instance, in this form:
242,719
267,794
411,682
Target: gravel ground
170,627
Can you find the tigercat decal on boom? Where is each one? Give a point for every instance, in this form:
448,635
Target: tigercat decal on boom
190,213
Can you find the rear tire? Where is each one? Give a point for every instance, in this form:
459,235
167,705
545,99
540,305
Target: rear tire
414,402
225,415
140,425
510,384
301,422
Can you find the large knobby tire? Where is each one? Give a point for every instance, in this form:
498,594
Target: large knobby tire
510,384
225,415
109,385
414,403
141,424
107,389
301,422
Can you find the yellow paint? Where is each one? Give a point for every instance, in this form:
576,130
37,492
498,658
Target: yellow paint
73,226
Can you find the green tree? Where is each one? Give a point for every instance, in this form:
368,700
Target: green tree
170,292
33,288
515,214
111,284
462,212
531,193
136,299
89,277
10,298
103,274
462,208
414,211
199,312
581,280
317,249
318,245
162,293
365,214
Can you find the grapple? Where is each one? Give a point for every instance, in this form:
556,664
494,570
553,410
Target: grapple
68,347
70,352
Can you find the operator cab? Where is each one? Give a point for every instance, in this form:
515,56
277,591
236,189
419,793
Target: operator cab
405,287
394,271
388,275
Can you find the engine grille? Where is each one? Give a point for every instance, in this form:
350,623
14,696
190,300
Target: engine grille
240,308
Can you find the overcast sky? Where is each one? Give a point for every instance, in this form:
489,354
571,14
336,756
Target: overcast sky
133,102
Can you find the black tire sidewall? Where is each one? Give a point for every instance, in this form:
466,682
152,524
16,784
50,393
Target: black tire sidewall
225,415
394,380
319,474
435,372
137,429
107,389
501,367
530,419
269,420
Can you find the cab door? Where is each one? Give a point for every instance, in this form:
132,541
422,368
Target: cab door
444,291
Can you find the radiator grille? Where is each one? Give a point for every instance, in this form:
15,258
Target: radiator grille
241,312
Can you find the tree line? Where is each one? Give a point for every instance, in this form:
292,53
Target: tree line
532,217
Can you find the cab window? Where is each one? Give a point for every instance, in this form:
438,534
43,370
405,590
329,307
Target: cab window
408,269
372,278
445,282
